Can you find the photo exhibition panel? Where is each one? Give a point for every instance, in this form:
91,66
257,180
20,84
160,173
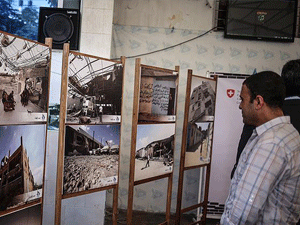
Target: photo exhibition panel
24,80
94,90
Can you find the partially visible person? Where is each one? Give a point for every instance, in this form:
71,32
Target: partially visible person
147,162
265,186
4,97
246,134
24,97
11,96
291,77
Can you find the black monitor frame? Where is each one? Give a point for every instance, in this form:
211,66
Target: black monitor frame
278,38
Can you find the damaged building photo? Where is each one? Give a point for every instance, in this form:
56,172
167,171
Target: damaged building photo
154,150
94,90
91,157
21,168
202,101
24,80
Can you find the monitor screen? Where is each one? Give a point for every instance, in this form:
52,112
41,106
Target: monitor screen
261,19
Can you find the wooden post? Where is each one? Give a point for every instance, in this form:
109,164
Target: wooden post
61,138
208,169
116,189
135,116
183,148
48,41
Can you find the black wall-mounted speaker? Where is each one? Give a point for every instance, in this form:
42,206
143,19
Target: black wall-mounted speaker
61,24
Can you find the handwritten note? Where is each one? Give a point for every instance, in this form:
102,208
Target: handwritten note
155,96
146,92
161,97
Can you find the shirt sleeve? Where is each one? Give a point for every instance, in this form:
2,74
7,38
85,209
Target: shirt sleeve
263,169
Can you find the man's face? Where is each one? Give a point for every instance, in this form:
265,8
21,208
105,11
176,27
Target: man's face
248,110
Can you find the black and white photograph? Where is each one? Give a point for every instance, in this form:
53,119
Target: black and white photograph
202,99
158,93
94,90
199,138
154,150
22,152
24,80
91,157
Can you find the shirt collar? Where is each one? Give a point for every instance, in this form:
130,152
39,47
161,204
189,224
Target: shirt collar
266,126
292,97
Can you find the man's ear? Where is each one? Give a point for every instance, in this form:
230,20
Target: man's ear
259,102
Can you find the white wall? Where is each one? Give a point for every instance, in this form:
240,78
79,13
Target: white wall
96,27
180,14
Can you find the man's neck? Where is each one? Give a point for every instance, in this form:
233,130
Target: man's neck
269,114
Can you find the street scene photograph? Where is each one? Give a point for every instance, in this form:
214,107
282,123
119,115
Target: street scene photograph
199,139
154,150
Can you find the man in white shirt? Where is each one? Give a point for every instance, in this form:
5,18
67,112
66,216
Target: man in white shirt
265,187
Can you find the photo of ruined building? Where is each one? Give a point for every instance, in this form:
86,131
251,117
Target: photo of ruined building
91,157
24,80
154,150
199,139
94,90
202,100
158,93
20,172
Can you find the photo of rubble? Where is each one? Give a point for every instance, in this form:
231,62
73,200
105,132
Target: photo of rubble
91,157
24,78
199,139
94,90
202,100
22,154
158,93
154,150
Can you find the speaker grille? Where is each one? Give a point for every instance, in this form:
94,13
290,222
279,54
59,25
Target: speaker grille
59,27
61,24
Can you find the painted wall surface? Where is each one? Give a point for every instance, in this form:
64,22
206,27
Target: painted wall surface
211,52
180,14
202,51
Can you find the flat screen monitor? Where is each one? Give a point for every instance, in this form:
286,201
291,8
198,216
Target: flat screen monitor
272,20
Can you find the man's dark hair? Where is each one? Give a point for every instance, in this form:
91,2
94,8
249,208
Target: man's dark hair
291,77
269,85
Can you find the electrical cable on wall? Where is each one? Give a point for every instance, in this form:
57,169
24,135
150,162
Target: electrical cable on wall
163,49
148,53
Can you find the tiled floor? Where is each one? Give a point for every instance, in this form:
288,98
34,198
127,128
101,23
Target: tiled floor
143,218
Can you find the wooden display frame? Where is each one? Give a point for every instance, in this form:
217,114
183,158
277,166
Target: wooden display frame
183,168
135,122
62,134
20,119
